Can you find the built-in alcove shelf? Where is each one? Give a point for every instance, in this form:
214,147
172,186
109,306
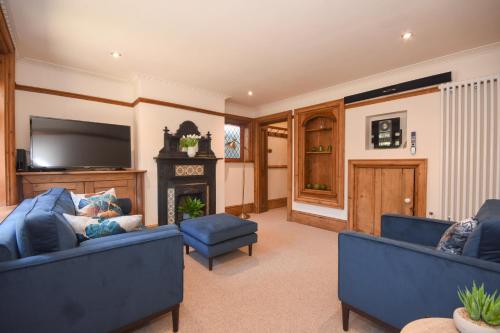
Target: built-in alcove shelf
319,154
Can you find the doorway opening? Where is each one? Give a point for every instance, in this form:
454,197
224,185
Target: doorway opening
273,162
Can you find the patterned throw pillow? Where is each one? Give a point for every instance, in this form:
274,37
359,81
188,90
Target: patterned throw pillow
454,238
93,227
102,204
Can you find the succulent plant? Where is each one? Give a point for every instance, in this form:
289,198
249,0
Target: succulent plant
192,206
491,310
481,305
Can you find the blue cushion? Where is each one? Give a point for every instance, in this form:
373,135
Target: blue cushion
44,229
484,242
8,242
117,237
213,229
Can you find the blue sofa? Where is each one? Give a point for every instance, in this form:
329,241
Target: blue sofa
400,277
52,284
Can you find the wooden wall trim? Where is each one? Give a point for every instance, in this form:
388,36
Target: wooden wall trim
412,93
72,95
7,125
6,42
236,209
67,94
277,166
177,106
318,221
276,203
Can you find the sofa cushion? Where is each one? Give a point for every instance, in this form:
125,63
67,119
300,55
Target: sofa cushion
454,238
8,241
92,227
102,204
213,229
484,242
117,237
43,228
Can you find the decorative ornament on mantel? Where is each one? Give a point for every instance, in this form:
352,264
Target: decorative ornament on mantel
189,143
177,145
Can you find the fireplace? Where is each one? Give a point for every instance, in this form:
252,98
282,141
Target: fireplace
180,176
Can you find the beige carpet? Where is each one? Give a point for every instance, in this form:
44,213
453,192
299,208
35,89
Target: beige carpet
288,285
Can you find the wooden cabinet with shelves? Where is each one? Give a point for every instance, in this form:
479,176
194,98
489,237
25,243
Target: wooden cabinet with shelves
319,154
128,183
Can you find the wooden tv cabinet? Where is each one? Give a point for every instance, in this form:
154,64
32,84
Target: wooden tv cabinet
128,183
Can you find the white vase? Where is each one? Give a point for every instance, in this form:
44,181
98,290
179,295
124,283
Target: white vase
184,149
191,151
466,325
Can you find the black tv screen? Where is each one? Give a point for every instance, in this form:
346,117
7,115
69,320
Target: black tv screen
62,143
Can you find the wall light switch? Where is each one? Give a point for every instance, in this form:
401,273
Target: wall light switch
413,147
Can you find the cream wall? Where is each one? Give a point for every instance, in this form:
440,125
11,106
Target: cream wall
423,115
234,185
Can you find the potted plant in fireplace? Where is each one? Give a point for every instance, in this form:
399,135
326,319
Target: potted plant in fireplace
191,207
189,143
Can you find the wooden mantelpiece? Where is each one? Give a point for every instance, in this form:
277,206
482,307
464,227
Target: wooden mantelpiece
128,183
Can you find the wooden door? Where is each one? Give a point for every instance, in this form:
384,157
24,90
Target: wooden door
378,189
263,170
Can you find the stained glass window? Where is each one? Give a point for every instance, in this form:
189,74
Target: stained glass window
232,140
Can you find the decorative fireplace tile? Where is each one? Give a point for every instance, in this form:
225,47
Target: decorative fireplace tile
171,205
189,170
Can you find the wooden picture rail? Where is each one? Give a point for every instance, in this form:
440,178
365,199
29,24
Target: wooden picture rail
67,94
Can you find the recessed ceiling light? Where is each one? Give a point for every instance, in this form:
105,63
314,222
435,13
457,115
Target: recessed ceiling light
116,54
250,93
407,35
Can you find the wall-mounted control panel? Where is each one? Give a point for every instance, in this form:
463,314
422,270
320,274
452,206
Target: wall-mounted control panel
386,130
387,133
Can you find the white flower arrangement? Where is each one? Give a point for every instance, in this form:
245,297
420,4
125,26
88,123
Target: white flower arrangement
190,140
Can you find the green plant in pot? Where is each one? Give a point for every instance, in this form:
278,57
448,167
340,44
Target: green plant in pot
191,207
189,144
481,311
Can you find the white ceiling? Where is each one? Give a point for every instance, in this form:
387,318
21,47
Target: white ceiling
277,48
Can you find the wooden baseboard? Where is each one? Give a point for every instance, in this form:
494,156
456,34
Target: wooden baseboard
236,210
276,203
318,221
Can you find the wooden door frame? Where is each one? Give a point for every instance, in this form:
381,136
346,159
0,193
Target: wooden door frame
420,166
7,115
260,177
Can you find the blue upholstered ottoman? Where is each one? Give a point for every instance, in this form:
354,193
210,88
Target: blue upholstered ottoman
217,234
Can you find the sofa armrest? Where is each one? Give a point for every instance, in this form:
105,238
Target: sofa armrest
96,288
399,282
413,229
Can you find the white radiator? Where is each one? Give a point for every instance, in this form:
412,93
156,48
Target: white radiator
470,118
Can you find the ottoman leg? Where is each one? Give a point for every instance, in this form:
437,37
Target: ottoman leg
250,250
210,263
187,249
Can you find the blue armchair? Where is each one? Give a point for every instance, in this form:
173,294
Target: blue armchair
400,277
101,285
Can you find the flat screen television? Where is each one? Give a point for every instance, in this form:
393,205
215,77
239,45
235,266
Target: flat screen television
72,144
